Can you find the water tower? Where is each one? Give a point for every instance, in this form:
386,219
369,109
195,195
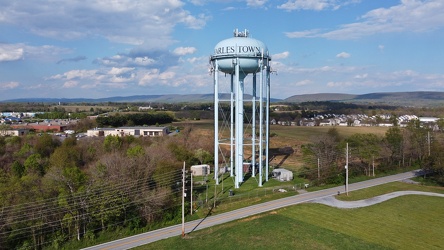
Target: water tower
238,57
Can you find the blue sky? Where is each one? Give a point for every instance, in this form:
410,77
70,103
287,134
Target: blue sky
103,48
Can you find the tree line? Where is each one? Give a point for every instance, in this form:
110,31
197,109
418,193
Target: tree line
53,192
400,148
135,119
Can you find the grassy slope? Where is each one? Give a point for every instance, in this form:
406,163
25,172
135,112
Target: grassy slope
296,136
408,222
289,136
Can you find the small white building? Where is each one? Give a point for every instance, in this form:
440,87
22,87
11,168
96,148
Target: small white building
428,119
14,132
125,131
282,174
200,170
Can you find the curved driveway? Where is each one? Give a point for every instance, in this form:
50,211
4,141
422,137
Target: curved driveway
333,202
148,237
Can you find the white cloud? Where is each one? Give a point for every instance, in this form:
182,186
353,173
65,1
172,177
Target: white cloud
339,84
303,83
122,79
140,57
181,51
70,84
198,2
154,76
256,3
9,85
408,16
36,86
124,21
10,52
279,56
20,51
343,55
305,5
141,61
119,71
361,76
195,22
113,78
73,59
317,5
76,74
305,33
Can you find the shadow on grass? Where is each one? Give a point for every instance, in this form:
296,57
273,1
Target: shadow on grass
200,222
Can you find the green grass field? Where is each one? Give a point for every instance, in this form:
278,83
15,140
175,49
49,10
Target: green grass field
407,222
303,134
288,136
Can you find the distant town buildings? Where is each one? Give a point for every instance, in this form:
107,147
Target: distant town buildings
19,128
125,131
356,120
17,114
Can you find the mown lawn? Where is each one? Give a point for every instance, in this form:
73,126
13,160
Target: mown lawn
407,222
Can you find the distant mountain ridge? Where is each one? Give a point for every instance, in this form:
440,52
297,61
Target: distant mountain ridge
172,98
416,98
321,97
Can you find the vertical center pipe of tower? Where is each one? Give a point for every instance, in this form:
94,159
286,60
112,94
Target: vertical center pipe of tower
216,122
267,118
253,128
239,124
232,127
261,122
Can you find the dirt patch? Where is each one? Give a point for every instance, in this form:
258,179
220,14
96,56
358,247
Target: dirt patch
252,218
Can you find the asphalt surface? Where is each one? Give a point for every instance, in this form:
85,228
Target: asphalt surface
333,202
152,236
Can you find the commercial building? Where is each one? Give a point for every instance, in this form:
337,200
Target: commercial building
125,131
14,132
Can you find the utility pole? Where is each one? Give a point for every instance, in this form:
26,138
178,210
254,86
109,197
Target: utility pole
428,140
373,163
206,192
191,211
183,200
215,193
346,171
319,173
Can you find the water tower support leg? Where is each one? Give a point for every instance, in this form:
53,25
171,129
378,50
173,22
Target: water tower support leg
216,123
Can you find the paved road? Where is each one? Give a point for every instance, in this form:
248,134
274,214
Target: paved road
152,236
333,202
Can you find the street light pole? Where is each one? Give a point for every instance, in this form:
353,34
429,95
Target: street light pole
183,200
319,173
191,211
346,171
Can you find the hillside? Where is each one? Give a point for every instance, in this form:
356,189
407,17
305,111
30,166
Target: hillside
321,97
418,98
172,98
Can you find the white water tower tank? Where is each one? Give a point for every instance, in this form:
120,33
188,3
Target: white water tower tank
247,50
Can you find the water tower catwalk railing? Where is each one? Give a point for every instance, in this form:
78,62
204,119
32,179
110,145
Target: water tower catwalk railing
239,56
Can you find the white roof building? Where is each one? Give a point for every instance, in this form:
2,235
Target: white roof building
125,131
